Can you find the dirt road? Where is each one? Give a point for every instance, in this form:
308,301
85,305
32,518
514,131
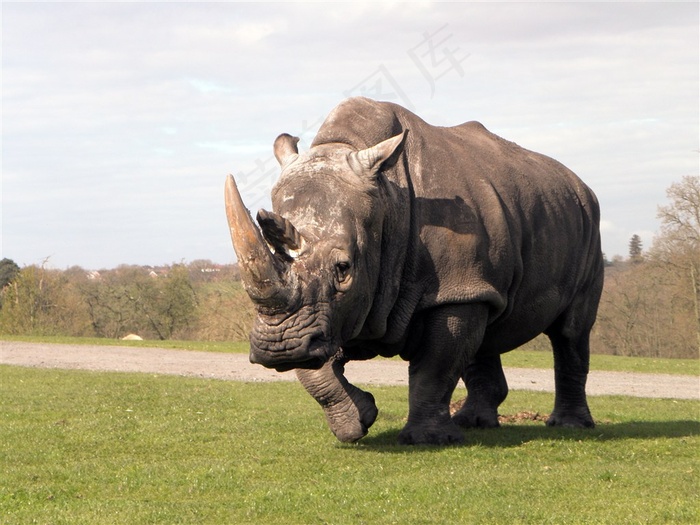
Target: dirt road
235,367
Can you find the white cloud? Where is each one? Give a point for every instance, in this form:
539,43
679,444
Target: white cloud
251,33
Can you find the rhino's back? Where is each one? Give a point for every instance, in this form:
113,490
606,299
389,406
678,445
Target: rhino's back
504,224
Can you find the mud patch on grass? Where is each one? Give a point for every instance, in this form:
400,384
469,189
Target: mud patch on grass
519,417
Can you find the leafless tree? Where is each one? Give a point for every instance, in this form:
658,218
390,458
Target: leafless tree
678,245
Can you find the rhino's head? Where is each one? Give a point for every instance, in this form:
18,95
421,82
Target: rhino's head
312,267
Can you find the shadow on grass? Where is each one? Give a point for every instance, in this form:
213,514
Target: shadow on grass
514,435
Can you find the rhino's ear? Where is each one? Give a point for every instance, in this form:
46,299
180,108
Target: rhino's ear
280,233
370,161
285,149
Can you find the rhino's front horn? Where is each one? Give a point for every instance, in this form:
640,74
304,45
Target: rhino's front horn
261,273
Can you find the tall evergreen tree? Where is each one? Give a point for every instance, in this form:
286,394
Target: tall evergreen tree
635,249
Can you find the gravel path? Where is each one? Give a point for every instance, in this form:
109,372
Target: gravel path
235,367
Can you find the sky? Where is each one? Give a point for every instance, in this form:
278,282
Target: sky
120,121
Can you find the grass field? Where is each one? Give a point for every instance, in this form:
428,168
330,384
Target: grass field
517,358
90,448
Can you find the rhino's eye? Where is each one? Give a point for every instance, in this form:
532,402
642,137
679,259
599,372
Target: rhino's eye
342,271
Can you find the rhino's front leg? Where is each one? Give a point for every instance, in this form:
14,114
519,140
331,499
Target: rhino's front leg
349,410
450,336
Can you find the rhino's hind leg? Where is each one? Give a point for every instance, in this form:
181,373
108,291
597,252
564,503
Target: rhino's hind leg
486,390
570,341
349,410
570,373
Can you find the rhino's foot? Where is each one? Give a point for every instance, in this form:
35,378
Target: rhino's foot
580,418
349,410
470,416
445,433
351,419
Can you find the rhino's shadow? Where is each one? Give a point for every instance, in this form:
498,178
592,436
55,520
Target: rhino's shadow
515,435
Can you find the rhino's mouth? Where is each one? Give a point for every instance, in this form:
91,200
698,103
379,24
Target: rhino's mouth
311,364
312,353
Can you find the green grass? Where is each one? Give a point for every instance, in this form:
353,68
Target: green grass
516,359
80,447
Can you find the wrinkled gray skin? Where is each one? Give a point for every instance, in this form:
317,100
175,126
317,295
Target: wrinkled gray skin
446,246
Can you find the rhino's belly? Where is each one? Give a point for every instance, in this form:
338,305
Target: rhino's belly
520,325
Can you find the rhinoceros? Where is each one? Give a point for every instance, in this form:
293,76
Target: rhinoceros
447,246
